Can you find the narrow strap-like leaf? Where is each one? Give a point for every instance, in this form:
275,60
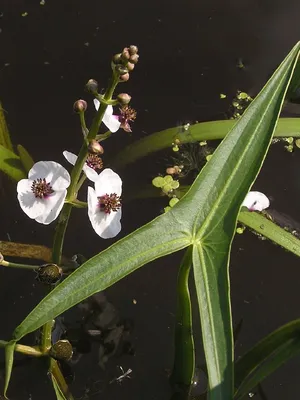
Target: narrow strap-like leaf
9,360
264,358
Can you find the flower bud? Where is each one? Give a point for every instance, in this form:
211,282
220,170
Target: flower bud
121,70
130,66
124,98
134,58
124,77
125,54
95,147
92,86
133,50
80,106
117,58
62,350
49,274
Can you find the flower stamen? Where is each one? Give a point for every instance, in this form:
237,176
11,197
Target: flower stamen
109,202
128,114
41,188
94,161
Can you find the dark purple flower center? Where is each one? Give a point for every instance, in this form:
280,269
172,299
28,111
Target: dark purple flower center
109,202
94,161
41,188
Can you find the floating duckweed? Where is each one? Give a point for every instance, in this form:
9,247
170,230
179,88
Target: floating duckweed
166,209
289,148
289,140
168,179
24,14
203,143
297,143
158,182
235,104
173,201
175,148
174,184
208,157
240,230
222,96
167,188
42,2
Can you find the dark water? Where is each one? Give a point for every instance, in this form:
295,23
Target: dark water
189,51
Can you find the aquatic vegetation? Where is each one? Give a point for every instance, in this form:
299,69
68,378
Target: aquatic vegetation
200,218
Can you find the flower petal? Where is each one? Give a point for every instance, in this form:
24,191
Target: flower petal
110,120
97,104
53,206
54,173
32,206
90,173
108,182
105,225
24,186
256,201
70,157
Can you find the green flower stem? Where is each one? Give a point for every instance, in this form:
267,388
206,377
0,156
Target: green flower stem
60,380
103,136
17,265
20,348
184,362
72,195
46,337
80,182
84,128
78,204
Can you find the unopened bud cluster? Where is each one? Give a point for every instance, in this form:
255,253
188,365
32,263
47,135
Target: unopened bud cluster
124,62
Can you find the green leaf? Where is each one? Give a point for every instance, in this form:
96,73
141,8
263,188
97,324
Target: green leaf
206,218
5,140
223,183
211,130
9,360
264,358
268,229
164,235
25,158
10,164
184,361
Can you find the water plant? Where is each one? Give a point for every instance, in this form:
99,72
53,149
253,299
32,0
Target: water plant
202,221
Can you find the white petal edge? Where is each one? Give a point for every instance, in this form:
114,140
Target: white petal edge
32,206
108,182
70,157
90,173
256,201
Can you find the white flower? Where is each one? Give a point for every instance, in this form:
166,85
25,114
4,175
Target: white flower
92,160
111,121
42,195
104,206
256,201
